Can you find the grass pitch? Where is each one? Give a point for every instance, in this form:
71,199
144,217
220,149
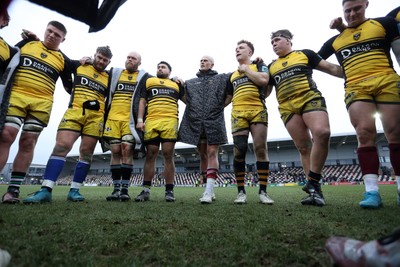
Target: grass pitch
187,233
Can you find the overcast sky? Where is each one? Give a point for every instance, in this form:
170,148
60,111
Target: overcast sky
181,32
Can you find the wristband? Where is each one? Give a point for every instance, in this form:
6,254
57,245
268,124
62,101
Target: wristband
139,120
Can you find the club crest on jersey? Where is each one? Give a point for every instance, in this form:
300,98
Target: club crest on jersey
357,36
284,64
95,75
130,77
162,82
43,55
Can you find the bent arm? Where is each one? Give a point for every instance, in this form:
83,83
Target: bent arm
140,123
259,78
330,68
337,24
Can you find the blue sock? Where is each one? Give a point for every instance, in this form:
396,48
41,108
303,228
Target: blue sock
54,167
81,171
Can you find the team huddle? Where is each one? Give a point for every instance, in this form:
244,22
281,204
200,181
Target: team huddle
132,112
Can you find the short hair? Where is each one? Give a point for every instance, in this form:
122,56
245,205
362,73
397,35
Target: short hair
282,33
5,14
344,1
248,43
105,50
166,63
210,58
58,25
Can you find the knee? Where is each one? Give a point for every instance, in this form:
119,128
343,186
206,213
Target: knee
61,149
212,153
8,135
212,156
168,157
304,149
151,154
27,142
322,136
240,146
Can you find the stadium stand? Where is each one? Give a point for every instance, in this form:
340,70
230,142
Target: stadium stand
288,175
341,166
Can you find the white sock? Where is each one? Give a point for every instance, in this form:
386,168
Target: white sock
371,182
210,185
48,183
75,185
398,183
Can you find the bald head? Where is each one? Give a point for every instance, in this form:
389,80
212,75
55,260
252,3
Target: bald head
133,61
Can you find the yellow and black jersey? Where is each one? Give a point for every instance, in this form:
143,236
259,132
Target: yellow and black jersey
39,69
122,97
292,74
245,93
364,51
89,84
162,97
6,53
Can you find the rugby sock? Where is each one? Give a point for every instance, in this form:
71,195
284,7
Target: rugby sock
80,173
54,166
398,183
263,174
169,187
371,182
314,178
16,180
211,177
146,185
125,185
369,160
240,170
126,171
369,164
116,175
